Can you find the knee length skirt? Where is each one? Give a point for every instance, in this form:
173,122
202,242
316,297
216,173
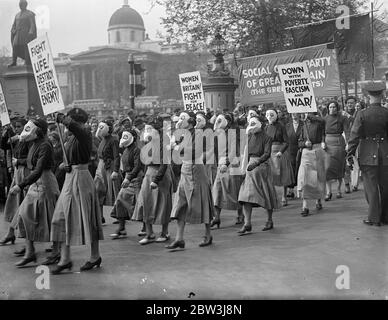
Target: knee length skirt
311,175
258,188
37,209
77,216
154,205
193,202
226,189
335,157
14,200
107,189
282,171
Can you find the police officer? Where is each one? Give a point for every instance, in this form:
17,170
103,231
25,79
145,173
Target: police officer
369,133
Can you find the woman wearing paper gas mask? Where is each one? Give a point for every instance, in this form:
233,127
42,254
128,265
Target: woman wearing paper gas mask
107,179
77,217
335,125
283,174
258,189
229,176
37,208
154,202
194,202
311,175
19,161
208,145
133,170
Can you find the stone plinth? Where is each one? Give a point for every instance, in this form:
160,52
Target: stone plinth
219,93
20,91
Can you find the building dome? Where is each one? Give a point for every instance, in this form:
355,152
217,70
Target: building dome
126,16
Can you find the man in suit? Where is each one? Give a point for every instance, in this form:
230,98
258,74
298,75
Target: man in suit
293,128
369,133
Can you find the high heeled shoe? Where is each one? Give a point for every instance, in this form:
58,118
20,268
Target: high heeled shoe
118,234
90,265
328,197
305,212
268,226
245,229
20,253
284,203
27,260
52,260
239,220
59,268
206,241
176,244
8,239
147,240
215,222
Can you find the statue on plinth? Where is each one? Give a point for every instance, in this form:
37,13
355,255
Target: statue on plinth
23,31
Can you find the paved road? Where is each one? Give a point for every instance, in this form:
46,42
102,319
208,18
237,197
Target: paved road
297,260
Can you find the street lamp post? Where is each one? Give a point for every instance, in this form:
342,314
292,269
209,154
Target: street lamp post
218,48
132,83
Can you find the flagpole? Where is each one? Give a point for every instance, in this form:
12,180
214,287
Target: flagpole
323,21
372,35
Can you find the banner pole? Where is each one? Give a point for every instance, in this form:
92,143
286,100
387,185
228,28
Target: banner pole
66,162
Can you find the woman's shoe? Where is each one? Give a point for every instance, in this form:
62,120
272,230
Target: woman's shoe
52,260
347,188
206,242
26,261
90,265
339,195
319,206
245,229
59,268
20,253
291,195
355,189
163,238
328,197
239,220
147,240
176,244
142,233
215,222
8,239
284,203
305,212
268,226
118,234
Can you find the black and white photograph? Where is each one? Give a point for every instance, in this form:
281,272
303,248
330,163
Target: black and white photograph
202,152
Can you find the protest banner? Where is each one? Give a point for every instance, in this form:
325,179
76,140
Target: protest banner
259,81
42,62
4,116
297,87
192,91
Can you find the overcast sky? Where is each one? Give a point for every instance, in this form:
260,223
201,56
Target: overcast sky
76,25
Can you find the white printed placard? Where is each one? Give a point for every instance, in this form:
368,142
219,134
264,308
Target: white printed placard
4,115
297,87
42,61
192,91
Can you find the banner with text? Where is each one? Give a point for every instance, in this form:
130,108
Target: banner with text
4,115
259,79
297,87
42,62
192,91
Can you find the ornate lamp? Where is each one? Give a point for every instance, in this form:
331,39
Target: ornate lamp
218,48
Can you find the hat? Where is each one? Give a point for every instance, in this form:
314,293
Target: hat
109,121
41,123
78,114
138,122
374,87
156,122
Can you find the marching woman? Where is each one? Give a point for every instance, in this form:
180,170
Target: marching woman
107,178
294,128
311,175
258,189
154,202
229,178
19,161
283,174
36,210
209,156
77,217
194,202
335,124
133,170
